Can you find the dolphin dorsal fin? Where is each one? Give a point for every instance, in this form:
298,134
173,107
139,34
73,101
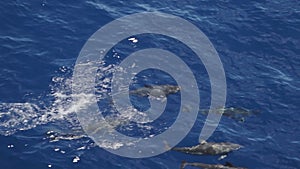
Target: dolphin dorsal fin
183,164
228,164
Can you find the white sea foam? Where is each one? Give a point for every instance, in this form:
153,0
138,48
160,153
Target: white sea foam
23,116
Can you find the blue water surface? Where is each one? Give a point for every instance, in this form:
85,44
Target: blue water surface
258,44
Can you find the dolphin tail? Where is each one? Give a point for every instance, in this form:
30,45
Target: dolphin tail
148,86
256,112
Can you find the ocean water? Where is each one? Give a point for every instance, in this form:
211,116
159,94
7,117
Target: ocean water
258,44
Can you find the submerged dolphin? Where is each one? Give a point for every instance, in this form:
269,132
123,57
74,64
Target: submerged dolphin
238,114
158,91
209,148
209,166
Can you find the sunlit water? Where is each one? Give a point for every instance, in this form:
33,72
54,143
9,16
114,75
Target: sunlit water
258,44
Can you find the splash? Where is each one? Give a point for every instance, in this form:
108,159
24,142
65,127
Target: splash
58,105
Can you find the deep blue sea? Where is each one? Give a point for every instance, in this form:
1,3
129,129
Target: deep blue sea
258,43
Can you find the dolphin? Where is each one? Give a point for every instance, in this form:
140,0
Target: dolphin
158,91
238,113
209,148
56,136
210,166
